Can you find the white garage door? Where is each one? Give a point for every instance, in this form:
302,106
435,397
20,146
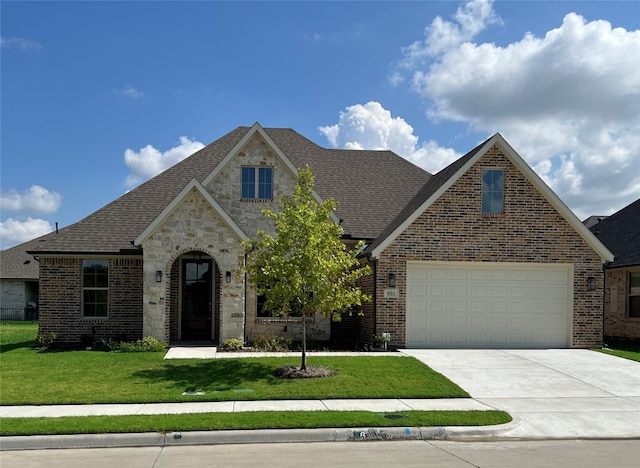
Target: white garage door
488,305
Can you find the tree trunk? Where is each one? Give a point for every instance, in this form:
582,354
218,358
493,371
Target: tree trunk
303,365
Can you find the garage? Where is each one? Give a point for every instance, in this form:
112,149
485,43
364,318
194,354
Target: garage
488,305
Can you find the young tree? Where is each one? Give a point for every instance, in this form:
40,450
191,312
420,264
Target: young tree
305,267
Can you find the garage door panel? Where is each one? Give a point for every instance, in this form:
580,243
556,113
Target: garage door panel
488,305
458,275
417,290
437,289
459,290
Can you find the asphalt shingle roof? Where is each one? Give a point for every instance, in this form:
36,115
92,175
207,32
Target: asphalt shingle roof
16,263
371,187
620,233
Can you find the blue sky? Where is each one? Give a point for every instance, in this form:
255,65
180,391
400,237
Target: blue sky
96,97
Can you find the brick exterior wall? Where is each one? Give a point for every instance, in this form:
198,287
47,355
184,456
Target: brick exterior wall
61,301
530,230
617,324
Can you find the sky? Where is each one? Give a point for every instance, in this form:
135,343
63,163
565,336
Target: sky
97,97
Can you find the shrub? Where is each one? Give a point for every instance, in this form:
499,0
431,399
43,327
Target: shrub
46,340
271,342
233,344
146,344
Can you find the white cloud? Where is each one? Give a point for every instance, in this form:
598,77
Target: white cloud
36,198
442,35
20,43
130,91
14,232
149,161
371,126
568,101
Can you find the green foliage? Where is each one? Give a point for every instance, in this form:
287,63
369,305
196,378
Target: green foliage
46,340
305,255
233,344
271,342
146,344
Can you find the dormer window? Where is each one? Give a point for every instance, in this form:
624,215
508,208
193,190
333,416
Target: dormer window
492,191
257,183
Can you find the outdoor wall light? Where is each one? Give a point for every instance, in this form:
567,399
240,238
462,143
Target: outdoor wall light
227,277
392,280
158,276
591,283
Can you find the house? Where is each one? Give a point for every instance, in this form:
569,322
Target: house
482,254
620,232
18,282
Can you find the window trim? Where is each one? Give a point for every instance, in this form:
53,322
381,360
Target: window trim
483,193
95,288
258,183
630,295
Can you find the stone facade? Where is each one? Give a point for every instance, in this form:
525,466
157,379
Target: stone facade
454,229
195,226
617,323
61,301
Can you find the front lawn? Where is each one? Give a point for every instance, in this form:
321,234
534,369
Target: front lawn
32,377
82,377
623,349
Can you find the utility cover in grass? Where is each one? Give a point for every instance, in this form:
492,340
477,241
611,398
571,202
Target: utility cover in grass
311,372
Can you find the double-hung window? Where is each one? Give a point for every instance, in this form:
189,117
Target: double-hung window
492,191
634,294
257,183
95,288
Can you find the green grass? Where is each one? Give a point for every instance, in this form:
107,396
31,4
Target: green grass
33,377
252,420
84,377
624,349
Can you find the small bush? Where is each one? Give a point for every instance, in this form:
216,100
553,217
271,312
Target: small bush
46,340
233,344
271,342
146,344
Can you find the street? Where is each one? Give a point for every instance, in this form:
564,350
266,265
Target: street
548,454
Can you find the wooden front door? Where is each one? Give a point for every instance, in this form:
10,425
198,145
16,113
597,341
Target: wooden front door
197,300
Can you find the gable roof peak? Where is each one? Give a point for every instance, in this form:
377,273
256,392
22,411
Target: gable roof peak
443,180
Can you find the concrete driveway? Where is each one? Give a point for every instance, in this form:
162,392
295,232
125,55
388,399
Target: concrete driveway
551,393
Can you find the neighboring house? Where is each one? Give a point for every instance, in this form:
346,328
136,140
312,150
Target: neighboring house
18,282
620,232
482,254
593,220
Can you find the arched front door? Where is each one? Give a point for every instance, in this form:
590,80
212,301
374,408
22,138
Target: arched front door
197,299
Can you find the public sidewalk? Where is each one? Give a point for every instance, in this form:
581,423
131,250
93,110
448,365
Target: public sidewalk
380,406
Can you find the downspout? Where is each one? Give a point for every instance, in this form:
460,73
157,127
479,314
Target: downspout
375,297
604,298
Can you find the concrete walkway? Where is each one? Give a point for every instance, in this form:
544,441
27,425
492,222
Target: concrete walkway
380,406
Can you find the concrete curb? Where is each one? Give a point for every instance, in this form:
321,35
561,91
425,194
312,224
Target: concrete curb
157,439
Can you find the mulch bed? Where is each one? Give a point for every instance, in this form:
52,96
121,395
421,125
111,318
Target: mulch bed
294,372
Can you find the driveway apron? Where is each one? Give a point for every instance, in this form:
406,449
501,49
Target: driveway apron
551,393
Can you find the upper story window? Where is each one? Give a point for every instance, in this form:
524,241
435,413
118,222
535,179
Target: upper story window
492,191
257,183
95,288
634,294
